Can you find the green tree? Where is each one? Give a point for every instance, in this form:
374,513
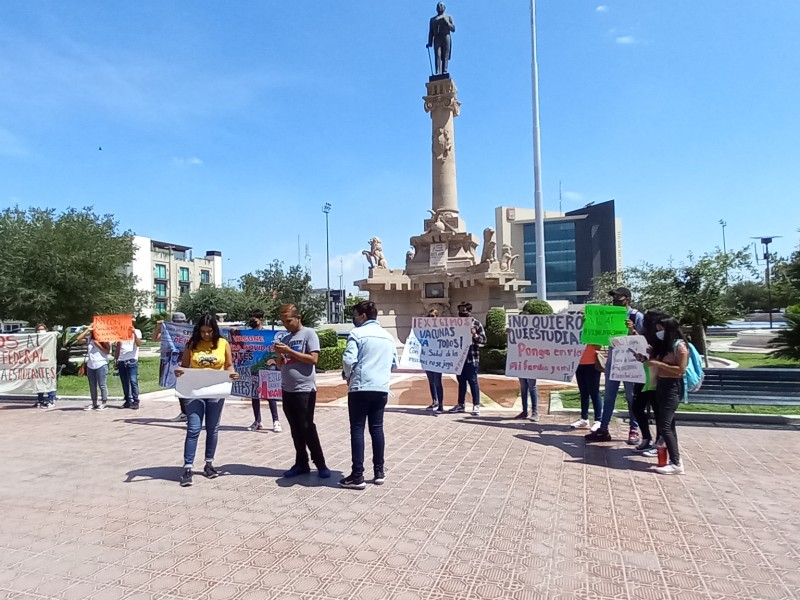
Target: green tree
274,286
496,328
537,307
349,303
62,269
236,304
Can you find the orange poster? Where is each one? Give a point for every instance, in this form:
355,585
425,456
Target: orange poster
113,328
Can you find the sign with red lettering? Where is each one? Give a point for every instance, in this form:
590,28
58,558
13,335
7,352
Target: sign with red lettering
27,363
544,346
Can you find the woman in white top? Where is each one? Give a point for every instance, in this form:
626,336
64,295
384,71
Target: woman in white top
96,367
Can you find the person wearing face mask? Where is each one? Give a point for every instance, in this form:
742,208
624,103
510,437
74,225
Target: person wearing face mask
643,398
635,324
435,381
469,372
50,399
368,360
257,322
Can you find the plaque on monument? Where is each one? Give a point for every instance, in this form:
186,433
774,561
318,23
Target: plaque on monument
438,255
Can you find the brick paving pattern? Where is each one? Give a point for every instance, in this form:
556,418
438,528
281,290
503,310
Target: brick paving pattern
472,508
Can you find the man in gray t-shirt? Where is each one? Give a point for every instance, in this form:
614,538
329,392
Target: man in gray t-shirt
296,356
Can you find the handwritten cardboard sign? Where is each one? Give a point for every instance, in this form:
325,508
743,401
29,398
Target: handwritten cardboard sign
626,354
602,323
269,385
27,363
544,346
113,328
438,344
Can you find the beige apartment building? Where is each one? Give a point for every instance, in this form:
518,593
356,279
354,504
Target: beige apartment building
167,271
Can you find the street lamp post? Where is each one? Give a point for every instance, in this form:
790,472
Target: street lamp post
327,209
767,240
541,269
724,224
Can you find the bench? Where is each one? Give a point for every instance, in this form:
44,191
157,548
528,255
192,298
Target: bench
767,387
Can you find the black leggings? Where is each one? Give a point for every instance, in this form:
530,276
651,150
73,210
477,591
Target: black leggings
641,400
669,393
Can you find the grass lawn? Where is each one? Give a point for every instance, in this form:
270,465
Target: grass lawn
573,400
747,360
74,385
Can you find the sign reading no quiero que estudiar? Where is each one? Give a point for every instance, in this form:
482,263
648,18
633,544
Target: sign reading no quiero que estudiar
438,344
544,346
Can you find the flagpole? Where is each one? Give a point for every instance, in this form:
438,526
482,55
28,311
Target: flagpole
541,271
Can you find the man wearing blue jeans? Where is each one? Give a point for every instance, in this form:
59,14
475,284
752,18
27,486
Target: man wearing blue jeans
469,373
369,357
635,323
127,359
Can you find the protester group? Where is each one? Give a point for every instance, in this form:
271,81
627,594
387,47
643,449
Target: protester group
652,361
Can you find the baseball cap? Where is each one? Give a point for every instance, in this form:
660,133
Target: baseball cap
620,291
178,317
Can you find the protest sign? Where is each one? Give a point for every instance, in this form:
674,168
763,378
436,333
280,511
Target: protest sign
269,385
112,328
27,363
253,351
173,340
544,346
438,257
438,344
603,322
203,383
626,355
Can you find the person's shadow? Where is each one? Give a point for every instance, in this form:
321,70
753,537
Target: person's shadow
589,453
174,474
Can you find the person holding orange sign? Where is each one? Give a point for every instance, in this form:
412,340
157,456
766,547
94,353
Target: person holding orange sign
96,367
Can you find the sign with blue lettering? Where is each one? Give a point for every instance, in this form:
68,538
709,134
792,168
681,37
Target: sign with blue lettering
438,344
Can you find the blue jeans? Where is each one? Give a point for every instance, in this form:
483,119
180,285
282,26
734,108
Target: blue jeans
129,378
528,386
51,397
588,378
196,409
97,378
363,407
468,375
610,398
435,385
273,408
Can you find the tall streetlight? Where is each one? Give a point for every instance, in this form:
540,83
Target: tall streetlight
541,270
327,209
724,224
767,240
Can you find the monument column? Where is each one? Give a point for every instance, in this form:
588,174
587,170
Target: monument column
443,106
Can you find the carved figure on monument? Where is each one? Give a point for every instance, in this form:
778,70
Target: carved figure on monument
438,224
374,255
410,255
439,37
489,246
442,145
507,258
444,309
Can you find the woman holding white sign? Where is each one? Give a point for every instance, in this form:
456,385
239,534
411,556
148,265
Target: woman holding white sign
206,349
435,381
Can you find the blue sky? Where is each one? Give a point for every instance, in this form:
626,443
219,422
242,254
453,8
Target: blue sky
227,125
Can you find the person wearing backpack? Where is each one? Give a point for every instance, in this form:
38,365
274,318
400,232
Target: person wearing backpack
668,369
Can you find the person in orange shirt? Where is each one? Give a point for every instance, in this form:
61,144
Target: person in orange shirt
588,377
205,350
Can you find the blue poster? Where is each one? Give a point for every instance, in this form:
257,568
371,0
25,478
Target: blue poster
173,340
253,351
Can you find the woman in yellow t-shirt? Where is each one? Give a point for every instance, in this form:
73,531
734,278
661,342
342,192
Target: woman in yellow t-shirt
205,350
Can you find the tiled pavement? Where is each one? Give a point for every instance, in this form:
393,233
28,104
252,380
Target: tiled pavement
472,508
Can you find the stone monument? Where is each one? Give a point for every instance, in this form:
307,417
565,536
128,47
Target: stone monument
442,268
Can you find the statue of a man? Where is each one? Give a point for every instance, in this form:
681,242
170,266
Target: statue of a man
439,37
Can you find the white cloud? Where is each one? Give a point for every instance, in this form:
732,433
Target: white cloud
626,40
191,161
602,8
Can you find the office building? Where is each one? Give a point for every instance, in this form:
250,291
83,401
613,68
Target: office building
579,245
167,271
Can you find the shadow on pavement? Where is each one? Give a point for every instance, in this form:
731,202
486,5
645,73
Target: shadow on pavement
151,473
593,453
309,480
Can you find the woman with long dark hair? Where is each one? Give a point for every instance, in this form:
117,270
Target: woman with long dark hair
435,381
668,367
643,398
206,349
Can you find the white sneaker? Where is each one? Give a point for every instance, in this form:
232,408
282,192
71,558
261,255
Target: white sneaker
671,469
276,427
580,424
595,426
179,418
476,410
256,426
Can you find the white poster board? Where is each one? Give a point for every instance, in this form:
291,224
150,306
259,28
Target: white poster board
269,385
203,383
438,344
27,363
438,255
544,346
625,358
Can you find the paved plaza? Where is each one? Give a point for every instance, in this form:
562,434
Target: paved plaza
484,507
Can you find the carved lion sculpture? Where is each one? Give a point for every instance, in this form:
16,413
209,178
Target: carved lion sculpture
489,254
374,255
507,258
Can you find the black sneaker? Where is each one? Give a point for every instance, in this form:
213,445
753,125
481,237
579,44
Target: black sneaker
127,404
380,478
297,470
522,415
186,478
458,408
601,435
209,471
135,406
440,409
353,483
